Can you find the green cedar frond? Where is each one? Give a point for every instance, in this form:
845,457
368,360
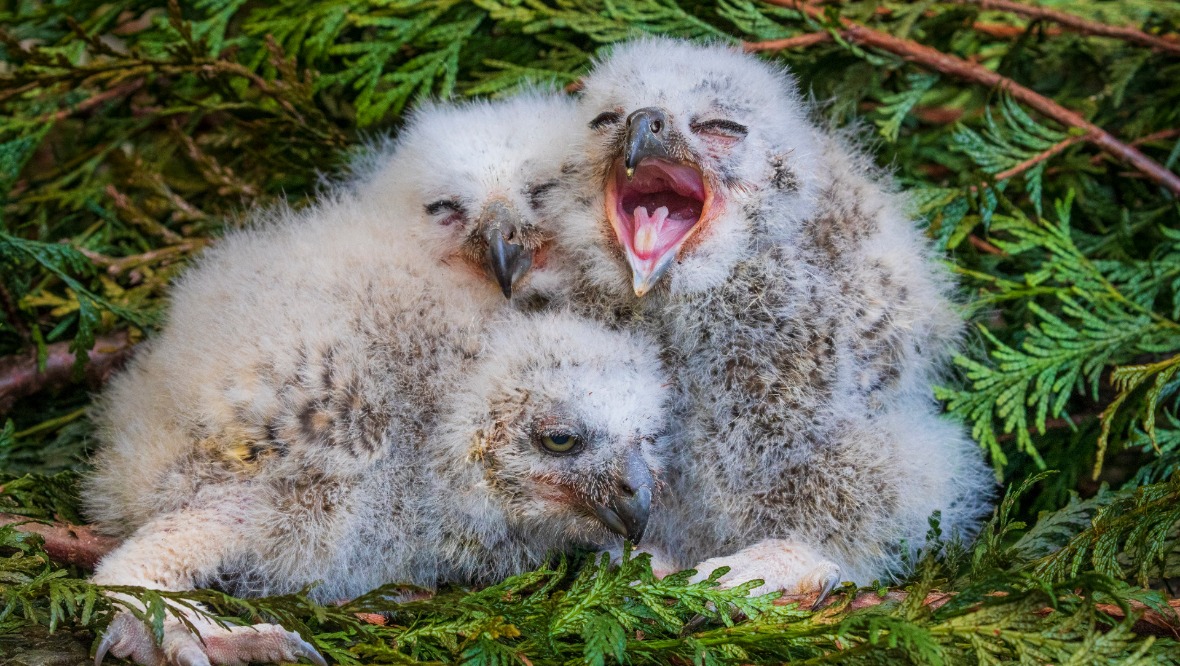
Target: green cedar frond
1131,536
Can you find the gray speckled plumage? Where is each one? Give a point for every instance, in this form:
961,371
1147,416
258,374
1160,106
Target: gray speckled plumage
804,320
341,395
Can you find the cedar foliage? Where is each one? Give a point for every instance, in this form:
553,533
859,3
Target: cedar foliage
132,133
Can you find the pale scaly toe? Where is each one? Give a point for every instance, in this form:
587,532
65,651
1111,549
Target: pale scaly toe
127,637
789,566
259,643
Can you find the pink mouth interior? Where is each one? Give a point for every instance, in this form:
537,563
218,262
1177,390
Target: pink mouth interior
658,207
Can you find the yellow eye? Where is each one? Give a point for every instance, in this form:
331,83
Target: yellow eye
559,443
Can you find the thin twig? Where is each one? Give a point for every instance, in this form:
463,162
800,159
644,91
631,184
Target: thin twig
139,218
797,42
1078,24
1038,158
957,67
984,246
79,545
98,99
121,265
20,378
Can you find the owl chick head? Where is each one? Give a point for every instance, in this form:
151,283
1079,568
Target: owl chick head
466,180
687,148
566,435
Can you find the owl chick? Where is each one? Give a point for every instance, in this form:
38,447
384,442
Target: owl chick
802,314
481,171
341,395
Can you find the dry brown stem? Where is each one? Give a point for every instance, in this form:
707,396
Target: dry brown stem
797,42
79,545
950,65
99,98
19,376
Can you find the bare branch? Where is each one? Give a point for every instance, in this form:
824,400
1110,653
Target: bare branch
957,67
79,545
1079,24
19,376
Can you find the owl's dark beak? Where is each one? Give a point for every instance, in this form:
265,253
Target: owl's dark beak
626,513
507,258
647,137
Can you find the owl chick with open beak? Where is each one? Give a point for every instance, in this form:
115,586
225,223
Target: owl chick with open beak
800,310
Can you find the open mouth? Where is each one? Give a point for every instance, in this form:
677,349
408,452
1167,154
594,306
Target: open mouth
654,213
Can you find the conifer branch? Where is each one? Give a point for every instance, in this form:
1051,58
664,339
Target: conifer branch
1151,621
19,376
1078,24
950,65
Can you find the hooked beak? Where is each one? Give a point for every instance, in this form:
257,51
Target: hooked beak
655,201
646,138
507,258
626,513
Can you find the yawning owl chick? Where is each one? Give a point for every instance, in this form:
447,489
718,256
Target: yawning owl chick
342,395
802,314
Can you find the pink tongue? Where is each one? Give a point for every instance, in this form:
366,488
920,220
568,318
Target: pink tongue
647,230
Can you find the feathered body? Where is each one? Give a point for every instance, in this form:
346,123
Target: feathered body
801,313
341,395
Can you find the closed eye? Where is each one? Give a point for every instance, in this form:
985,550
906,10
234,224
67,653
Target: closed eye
720,127
605,119
450,208
537,192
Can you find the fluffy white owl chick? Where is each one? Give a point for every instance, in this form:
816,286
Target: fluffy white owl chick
802,315
337,399
481,171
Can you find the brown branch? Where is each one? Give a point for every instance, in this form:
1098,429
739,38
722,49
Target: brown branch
1004,31
121,265
79,545
98,99
1038,158
797,42
950,65
984,246
19,376
1150,622
1078,24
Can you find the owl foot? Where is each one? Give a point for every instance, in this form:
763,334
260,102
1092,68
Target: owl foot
128,637
789,566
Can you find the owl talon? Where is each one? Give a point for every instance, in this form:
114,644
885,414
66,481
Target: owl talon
790,566
830,584
108,639
214,645
308,652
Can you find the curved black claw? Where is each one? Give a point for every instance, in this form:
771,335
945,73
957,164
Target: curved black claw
308,652
829,584
691,626
103,646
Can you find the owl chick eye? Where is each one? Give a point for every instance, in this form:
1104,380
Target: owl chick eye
537,192
451,210
605,119
561,443
721,128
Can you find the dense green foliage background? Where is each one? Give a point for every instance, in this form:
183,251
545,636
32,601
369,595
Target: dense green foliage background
132,133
